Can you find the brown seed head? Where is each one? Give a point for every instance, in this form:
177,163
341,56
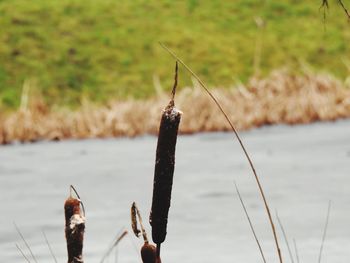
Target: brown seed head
148,253
71,207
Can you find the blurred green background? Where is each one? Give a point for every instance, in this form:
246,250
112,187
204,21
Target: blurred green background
104,49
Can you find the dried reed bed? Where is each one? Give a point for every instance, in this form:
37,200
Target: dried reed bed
280,98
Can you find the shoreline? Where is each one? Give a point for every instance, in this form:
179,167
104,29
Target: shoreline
281,98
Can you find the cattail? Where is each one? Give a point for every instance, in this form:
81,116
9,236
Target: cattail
74,229
149,254
164,169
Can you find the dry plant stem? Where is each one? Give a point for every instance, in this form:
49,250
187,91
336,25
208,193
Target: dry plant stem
296,250
325,3
20,250
250,223
344,8
132,242
136,212
120,236
164,169
175,81
49,246
134,220
285,238
74,230
325,7
25,242
240,142
324,231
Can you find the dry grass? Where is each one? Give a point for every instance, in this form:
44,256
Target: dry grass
279,98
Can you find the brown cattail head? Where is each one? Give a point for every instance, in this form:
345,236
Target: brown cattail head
71,207
149,254
74,230
164,169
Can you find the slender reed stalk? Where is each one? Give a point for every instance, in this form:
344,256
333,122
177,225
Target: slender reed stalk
250,224
325,7
325,231
120,236
21,251
49,246
25,242
164,169
296,250
285,238
241,144
344,8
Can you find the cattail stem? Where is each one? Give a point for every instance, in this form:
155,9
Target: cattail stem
164,169
74,230
158,250
234,130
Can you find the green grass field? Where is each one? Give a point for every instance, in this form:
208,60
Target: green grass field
73,49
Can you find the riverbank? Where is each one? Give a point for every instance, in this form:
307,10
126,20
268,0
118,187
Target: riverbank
280,98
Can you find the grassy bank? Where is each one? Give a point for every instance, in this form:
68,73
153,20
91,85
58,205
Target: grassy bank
97,50
280,98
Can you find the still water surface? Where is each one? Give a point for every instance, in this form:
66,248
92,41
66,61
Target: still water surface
301,169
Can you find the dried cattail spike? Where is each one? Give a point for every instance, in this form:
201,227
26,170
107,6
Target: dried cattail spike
136,212
134,220
164,169
74,230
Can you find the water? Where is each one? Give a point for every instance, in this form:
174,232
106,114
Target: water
301,169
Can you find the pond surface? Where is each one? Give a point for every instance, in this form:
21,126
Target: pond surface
301,168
